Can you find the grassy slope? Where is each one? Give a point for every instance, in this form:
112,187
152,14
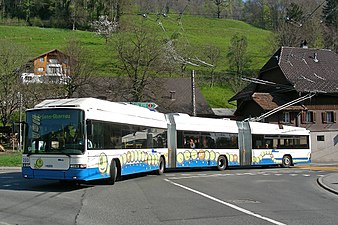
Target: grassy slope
196,32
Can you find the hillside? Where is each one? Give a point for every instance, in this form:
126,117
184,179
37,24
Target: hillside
197,32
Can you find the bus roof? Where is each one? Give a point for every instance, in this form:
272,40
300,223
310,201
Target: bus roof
98,109
275,129
186,122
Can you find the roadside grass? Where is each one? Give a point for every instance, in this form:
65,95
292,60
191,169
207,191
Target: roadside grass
10,159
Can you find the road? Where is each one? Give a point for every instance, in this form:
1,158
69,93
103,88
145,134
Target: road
235,196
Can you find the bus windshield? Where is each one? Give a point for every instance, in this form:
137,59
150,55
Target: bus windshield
54,131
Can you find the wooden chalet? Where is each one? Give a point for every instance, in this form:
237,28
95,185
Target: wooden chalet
289,74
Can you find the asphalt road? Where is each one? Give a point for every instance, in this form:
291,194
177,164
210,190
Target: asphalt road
235,196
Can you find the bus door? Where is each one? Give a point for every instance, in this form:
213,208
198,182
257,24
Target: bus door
244,143
172,136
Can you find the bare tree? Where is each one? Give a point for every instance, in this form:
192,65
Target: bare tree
141,56
238,60
212,54
79,67
11,59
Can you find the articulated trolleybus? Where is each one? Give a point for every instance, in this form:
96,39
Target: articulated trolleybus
85,139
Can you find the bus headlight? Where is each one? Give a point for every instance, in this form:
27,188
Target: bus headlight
26,164
78,166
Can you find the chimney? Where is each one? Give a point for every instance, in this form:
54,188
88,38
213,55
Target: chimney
303,44
315,57
172,95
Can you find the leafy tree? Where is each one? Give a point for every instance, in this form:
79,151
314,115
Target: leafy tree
104,27
330,19
294,13
219,5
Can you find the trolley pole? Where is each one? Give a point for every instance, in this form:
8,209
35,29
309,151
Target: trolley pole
193,94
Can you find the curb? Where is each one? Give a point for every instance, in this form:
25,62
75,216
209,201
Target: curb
10,168
321,183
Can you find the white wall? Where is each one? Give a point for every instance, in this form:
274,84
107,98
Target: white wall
327,150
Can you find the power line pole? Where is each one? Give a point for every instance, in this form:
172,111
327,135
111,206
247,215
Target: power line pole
193,93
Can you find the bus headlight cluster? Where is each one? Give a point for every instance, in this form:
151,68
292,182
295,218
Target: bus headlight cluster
78,166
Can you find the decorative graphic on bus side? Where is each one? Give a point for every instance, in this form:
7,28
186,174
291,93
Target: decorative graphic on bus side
139,161
38,163
202,158
103,163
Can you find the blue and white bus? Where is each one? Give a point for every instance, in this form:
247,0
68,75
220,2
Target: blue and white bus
85,139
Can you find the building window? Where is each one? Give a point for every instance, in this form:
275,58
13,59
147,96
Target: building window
329,117
54,70
320,138
53,61
286,117
308,117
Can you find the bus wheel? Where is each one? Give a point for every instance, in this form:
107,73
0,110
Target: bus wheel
221,163
161,166
113,172
286,161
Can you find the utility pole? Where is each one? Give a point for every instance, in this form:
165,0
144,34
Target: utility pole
193,93
20,124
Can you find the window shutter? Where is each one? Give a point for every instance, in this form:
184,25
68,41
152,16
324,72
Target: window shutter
314,117
323,117
334,117
303,117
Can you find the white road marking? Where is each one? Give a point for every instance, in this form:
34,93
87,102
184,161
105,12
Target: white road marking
226,203
199,176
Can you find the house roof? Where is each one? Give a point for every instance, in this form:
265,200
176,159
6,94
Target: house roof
245,93
306,69
54,51
309,69
172,95
269,101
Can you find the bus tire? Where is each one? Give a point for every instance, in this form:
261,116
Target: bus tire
113,172
161,166
221,163
286,161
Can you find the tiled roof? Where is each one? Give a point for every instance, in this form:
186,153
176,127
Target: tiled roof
310,70
268,102
170,94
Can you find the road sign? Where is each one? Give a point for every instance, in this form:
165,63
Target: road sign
148,105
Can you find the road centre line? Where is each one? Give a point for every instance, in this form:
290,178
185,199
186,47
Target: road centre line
225,203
